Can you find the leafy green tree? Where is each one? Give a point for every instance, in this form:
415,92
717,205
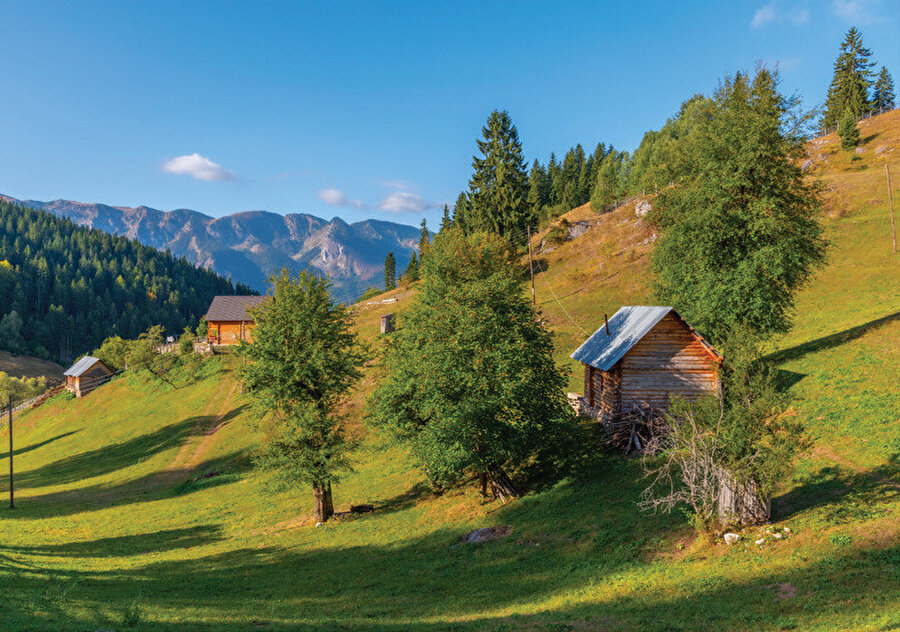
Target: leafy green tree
848,131
113,353
412,269
304,359
470,379
608,187
499,183
390,271
740,235
850,83
144,353
17,390
883,97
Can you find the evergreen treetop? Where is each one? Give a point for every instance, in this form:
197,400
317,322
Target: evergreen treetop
883,96
850,83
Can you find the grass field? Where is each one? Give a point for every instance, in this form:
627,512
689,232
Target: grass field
137,508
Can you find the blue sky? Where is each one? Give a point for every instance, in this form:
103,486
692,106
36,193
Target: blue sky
367,109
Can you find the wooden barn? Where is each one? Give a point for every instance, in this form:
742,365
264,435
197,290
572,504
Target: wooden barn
645,356
228,322
86,375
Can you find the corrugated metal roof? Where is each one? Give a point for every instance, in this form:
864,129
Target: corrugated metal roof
232,307
626,327
81,366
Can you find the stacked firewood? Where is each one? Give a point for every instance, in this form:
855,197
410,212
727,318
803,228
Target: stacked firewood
636,429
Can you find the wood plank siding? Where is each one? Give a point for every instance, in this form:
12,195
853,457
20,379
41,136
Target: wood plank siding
229,332
668,362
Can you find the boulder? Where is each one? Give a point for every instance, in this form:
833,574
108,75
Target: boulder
859,150
642,208
731,538
486,534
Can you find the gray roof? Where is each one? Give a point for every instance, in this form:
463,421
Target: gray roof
232,307
626,327
82,365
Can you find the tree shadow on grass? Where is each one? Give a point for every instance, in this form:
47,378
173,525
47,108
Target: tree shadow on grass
830,341
111,458
126,545
845,495
35,446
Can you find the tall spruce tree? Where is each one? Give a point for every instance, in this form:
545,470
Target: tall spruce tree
538,189
883,96
499,184
850,83
424,237
740,235
446,220
460,210
390,272
848,131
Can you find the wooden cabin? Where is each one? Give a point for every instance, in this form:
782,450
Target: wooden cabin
86,375
645,356
228,321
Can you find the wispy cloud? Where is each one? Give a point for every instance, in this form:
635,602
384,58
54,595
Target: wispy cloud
775,12
336,197
198,167
405,202
856,11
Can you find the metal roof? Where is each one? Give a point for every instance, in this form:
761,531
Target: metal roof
82,365
626,327
232,307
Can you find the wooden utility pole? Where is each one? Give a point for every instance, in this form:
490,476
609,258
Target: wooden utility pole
531,265
12,502
887,171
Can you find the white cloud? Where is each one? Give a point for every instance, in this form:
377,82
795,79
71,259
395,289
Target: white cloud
198,167
335,197
855,11
405,202
774,12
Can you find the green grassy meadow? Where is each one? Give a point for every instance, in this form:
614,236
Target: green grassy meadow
137,507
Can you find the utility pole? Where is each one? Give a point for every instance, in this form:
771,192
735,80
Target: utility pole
887,171
531,265
12,502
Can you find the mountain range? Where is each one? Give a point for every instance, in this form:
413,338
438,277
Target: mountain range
249,246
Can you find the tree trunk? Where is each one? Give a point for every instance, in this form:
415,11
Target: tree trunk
741,501
484,484
501,484
324,504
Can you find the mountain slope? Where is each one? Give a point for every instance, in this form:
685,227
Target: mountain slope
137,507
247,247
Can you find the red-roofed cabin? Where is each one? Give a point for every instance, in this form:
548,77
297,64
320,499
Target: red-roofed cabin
228,321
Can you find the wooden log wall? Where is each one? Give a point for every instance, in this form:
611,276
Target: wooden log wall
668,362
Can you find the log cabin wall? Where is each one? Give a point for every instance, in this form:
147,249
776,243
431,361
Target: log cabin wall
230,332
667,362
610,383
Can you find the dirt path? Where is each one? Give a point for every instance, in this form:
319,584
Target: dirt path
201,439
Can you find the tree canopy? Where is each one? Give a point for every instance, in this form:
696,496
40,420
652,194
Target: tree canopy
849,90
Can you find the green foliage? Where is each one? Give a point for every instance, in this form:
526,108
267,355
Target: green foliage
496,201
883,96
610,183
370,292
303,361
739,235
113,352
390,272
18,390
848,131
470,381
446,220
558,233
71,287
186,342
849,90
144,353
424,238
412,269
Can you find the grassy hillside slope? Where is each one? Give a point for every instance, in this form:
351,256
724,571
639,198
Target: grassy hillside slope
137,508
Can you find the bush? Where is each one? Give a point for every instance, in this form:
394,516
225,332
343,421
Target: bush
848,131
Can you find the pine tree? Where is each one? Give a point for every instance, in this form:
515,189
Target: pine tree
850,84
883,96
412,269
424,237
499,183
557,182
460,210
848,131
446,221
390,272
538,190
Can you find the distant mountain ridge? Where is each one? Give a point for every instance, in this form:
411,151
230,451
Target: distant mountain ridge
249,246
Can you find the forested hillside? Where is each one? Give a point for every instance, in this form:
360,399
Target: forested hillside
64,288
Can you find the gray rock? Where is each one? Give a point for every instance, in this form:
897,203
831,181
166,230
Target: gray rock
577,229
486,534
808,164
859,150
731,538
642,208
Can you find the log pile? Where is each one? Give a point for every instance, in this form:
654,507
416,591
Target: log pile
636,429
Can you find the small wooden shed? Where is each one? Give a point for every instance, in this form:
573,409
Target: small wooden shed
86,375
645,356
228,322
